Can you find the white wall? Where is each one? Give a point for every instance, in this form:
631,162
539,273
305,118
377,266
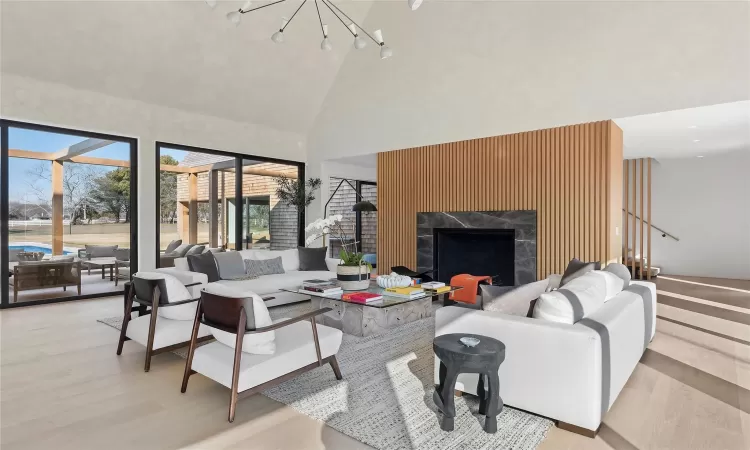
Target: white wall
705,202
25,99
464,70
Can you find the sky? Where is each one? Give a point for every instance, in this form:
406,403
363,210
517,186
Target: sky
19,168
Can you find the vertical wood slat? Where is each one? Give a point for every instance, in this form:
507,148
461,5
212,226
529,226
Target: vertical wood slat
626,215
560,173
648,215
640,274
634,170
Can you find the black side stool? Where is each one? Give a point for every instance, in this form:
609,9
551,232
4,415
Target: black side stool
455,358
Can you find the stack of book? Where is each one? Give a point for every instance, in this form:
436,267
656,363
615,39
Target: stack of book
436,287
320,287
361,297
405,292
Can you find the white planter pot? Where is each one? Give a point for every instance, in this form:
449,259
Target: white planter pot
353,278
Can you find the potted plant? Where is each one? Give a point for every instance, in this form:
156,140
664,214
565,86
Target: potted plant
352,273
297,194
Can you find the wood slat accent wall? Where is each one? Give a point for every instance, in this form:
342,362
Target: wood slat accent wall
570,175
636,215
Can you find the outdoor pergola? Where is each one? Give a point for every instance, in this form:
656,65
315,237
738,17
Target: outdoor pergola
187,214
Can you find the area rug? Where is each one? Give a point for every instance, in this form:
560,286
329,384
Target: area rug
385,399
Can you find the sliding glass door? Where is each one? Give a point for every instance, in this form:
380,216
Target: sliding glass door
359,226
68,207
213,199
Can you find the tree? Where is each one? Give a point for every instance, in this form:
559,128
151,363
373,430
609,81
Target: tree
168,190
78,180
111,193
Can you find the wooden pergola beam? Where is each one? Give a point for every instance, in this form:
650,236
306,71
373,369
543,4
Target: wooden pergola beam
80,148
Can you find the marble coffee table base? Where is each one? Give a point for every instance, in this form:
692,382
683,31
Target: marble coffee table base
363,320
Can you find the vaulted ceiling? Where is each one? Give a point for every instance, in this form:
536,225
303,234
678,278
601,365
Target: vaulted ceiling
461,69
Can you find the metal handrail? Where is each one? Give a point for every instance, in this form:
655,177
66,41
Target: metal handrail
663,233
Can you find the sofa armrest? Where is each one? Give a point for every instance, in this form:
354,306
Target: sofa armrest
551,369
332,263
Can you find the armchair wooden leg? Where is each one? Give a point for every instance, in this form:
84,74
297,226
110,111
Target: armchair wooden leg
335,367
125,320
191,350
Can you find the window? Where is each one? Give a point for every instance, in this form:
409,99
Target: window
361,227
65,192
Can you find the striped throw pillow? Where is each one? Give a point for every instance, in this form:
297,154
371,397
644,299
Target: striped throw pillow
260,267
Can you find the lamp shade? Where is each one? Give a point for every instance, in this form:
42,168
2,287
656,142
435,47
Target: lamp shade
364,206
414,4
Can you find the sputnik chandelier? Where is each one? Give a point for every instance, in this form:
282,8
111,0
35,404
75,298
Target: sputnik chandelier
359,42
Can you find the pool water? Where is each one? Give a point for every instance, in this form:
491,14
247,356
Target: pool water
35,248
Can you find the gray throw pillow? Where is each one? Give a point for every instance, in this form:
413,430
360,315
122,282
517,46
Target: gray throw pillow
101,251
204,263
260,267
173,245
195,250
230,265
576,268
180,251
621,271
312,258
122,254
513,300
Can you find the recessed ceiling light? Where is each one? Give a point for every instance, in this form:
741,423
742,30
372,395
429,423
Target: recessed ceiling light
699,156
693,127
696,140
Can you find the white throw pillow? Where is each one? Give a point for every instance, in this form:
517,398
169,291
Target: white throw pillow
613,284
260,343
289,258
176,292
573,301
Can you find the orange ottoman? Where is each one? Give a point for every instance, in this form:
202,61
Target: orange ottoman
470,285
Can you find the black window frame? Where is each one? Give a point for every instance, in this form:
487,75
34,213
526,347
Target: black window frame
5,124
238,164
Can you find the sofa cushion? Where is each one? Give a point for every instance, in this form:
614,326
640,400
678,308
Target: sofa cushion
271,284
573,301
312,258
101,251
513,300
621,271
259,267
204,263
257,317
122,254
230,265
295,348
289,258
576,268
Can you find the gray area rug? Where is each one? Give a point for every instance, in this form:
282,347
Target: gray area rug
385,399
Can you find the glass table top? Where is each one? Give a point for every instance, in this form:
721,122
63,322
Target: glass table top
385,302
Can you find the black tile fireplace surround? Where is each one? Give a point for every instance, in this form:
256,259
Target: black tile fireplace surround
521,222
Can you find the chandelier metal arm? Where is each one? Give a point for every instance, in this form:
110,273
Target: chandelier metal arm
352,21
322,30
295,13
241,11
340,19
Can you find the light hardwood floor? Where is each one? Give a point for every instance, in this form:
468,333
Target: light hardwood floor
62,386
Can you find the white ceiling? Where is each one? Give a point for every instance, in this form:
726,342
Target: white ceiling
181,54
687,132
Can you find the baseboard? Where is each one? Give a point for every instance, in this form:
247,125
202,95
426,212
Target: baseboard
578,430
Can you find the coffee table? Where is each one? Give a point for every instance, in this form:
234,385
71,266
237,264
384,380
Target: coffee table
101,263
360,319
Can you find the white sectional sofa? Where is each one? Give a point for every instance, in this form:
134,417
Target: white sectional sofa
569,372
271,285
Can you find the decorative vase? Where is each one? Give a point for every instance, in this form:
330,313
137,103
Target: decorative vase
353,278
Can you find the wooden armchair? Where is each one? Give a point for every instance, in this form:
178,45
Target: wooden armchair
299,347
167,326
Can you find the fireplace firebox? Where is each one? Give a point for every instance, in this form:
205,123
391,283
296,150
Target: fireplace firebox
475,251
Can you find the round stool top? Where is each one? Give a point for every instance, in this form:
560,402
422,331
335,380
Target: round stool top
449,346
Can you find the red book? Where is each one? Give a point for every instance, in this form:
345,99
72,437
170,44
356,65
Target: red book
361,297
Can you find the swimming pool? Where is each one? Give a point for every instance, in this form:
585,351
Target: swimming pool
37,248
